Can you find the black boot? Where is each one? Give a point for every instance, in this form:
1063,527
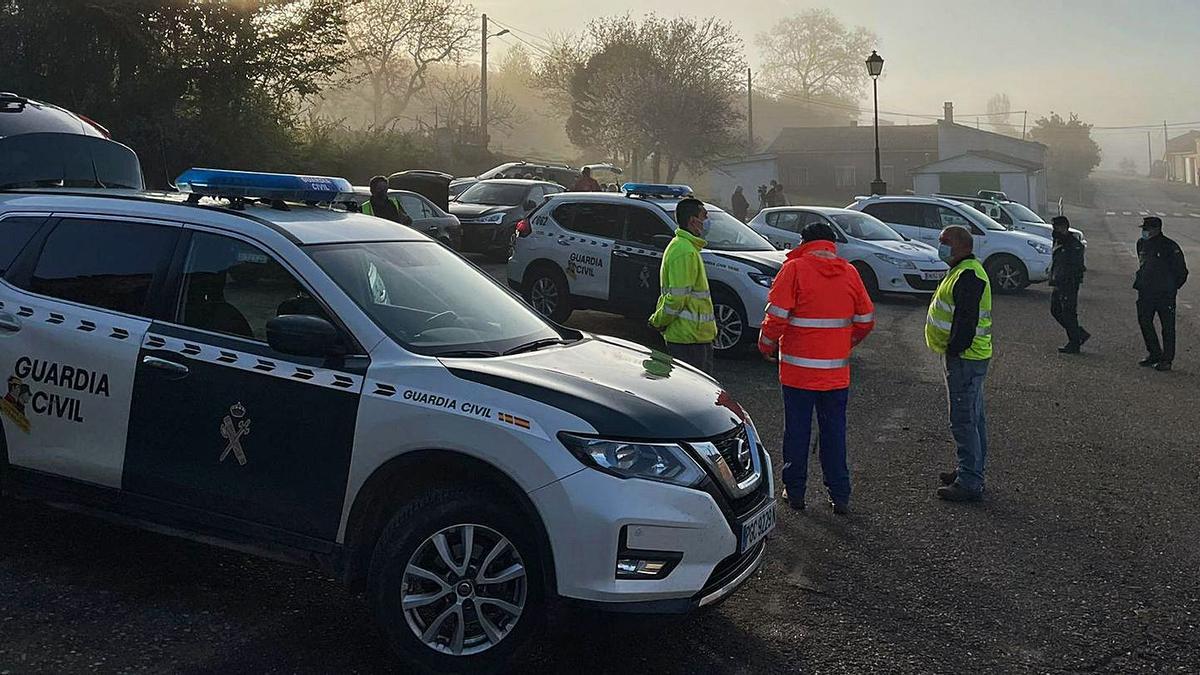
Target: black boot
948,477
958,493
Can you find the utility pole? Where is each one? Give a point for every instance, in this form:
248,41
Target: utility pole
750,110
483,87
1149,157
1165,162
1024,123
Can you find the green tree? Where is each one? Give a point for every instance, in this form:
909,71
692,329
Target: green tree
663,89
183,83
1072,154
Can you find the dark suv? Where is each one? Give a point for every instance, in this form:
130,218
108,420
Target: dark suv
20,115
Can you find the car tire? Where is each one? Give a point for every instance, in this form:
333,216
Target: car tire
868,278
1007,273
546,290
421,612
734,334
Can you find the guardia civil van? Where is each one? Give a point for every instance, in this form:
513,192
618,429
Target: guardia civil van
233,364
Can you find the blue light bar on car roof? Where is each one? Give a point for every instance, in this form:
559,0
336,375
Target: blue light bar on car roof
272,186
657,190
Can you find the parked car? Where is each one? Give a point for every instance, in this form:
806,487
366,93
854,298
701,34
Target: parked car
885,259
367,405
427,218
20,115
1013,260
563,174
432,185
490,210
1013,215
589,250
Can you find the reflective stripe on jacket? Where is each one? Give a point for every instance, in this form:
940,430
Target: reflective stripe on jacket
818,311
685,308
369,210
941,314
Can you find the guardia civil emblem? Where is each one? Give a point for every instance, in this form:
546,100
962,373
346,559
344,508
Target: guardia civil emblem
235,426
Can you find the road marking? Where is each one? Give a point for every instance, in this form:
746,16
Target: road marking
1160,214
1127,213
1176,215
1143,213
1110,213
1194,215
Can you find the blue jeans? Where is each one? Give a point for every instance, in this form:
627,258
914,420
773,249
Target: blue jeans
968,419
798,407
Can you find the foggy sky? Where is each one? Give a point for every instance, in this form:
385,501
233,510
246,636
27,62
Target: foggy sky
1115,62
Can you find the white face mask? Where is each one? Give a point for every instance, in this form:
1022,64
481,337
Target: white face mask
706,227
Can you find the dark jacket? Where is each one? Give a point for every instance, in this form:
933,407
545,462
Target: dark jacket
968,292
741,207
1066,266
1162,269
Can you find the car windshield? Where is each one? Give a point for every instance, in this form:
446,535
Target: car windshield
494,194
431,301
865,227
984,221
730,234
1023,213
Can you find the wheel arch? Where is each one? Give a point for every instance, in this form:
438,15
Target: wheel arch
540,264
396,480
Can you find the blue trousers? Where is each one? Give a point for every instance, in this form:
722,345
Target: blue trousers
968,418
798,407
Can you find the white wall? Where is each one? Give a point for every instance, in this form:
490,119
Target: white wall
927,183
749,174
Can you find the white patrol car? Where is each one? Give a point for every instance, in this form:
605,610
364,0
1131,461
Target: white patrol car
1013,260
346,393
597,250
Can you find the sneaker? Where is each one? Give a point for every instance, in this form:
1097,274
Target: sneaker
1083,336
958,493
840,509
948,477
1148,362
1163,366
1069,349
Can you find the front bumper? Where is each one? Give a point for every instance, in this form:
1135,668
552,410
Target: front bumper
586,513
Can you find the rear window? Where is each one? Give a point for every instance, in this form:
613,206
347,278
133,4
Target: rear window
898,213
597,220
15,232
106,264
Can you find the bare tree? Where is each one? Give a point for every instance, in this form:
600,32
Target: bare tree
813,55
453,95
394,43
999,108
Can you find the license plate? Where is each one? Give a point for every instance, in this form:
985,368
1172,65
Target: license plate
933,276
757,526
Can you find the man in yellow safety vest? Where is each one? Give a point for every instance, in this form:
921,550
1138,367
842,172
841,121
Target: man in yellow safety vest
685,310
959,326
382,205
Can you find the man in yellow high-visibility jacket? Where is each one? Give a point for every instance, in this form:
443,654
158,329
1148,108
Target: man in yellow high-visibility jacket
685,310
959,326
383,206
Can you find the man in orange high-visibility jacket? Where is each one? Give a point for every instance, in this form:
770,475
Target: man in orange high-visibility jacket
819,310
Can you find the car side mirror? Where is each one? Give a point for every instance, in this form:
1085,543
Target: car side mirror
303,335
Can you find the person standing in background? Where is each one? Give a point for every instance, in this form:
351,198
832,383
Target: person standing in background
1066,275
1162,271
740,207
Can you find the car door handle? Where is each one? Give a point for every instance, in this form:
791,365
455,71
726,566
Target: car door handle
563,242
9,323
620,254
171,369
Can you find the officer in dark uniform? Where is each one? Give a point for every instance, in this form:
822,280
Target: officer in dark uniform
1161,273
1066,274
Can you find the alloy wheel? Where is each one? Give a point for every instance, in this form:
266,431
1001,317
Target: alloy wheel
543,295
464,590
1008,275
729,327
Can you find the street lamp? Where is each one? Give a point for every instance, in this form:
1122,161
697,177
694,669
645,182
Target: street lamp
874,68
483,85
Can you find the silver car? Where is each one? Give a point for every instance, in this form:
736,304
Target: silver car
427,218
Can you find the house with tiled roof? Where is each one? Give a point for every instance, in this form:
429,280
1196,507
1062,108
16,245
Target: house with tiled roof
1183,158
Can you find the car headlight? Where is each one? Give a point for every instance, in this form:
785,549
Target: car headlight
494,218
898,262
662,462
762,279
1038,246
